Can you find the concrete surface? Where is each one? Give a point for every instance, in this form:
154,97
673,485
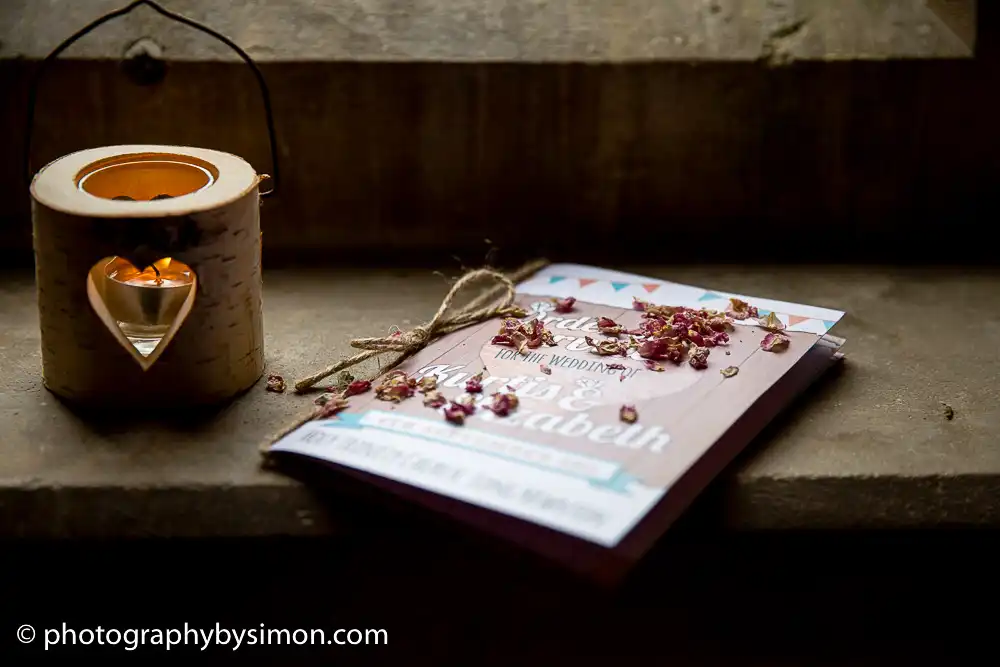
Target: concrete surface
508,31
869,447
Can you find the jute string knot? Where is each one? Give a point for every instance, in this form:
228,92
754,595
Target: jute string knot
446,320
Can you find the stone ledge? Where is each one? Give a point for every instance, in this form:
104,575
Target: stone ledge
868,448
513,31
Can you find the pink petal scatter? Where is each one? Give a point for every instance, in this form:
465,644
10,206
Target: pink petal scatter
520,336
679,333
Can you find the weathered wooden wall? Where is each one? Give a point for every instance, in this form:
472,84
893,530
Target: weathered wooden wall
739,154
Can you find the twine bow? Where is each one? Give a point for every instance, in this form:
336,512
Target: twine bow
406,343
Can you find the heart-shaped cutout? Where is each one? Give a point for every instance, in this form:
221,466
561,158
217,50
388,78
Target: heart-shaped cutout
144,309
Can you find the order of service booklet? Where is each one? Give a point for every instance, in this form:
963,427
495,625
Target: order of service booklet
609,437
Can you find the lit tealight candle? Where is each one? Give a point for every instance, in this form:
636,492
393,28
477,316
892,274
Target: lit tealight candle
163,273
145,303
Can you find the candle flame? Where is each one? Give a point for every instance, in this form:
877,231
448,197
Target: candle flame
158,267
160,272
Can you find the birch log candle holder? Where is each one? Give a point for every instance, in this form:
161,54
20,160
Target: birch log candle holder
147,266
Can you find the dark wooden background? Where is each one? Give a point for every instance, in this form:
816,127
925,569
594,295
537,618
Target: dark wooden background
839,161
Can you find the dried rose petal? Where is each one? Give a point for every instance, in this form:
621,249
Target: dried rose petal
720,323
615,366
774,342
699,358
740,310
458,410
396,386
395,393
434,399
730,371
466,402
651,325
545,369
474,384
510,324
503,404
275,383
663,349
519,335
621,378
610,347
331,407
609,327
538,334
357,387
654,349
455,414
654,310
516,340
771,322
564,305
628,414
653,366
718,338
428,384
607,347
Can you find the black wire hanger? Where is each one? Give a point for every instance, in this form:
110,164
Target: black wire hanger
265,95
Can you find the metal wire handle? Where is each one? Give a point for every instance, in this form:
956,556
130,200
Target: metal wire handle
265,95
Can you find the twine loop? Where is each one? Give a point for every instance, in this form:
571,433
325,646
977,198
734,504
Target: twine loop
446,320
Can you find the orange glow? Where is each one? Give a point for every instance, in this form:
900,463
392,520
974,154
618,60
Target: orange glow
164,272
146,176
